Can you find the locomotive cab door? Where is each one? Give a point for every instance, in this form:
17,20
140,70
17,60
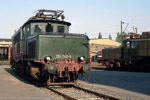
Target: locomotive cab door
127,49
130,49
134,49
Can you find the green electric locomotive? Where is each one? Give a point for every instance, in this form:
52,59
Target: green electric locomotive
44,49
134,55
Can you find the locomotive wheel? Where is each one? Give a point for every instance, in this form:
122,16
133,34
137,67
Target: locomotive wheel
130,62
118,64
67,79
111,65
75,81
27,70
99,61
107,65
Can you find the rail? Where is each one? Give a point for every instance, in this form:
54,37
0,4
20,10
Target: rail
70,93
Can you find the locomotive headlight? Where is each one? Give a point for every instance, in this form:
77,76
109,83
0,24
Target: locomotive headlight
48,58
82,58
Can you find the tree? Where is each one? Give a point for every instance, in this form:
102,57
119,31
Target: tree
110,37
99,36
119,37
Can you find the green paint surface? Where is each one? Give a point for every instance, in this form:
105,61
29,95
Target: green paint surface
62,47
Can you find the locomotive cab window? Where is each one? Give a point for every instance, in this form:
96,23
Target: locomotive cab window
49,28
134,45
37,29
60,29
128,44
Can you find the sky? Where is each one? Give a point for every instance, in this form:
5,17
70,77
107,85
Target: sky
90,16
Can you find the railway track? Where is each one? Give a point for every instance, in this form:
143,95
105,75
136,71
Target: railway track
78,93
72,92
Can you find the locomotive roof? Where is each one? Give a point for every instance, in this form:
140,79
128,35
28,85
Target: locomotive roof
136,39
33,19
52,16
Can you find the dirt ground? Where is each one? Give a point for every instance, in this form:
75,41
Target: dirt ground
5,62
129,86
12,87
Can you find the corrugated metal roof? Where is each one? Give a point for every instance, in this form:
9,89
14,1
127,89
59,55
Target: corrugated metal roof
5,41
104,42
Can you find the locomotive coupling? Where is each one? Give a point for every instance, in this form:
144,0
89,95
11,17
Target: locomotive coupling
51,68
86,68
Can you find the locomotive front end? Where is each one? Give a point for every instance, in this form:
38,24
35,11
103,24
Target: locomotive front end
64,57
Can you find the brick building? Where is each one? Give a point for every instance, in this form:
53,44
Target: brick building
96,45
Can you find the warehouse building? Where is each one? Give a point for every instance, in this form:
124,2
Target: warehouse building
96,45
5,49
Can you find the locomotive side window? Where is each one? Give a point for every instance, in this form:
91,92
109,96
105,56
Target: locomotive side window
28,29
128,44
49,28
60,29
17,38
24,31
134,45
37,29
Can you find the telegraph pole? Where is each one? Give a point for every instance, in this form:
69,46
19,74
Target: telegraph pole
136,30
121,29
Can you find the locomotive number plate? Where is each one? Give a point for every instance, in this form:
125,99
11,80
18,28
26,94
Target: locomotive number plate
63,56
